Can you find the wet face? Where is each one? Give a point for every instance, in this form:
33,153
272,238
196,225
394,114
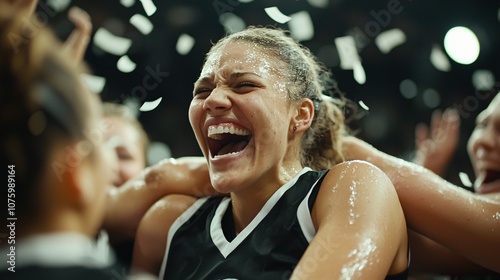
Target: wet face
484,149
128,147
241,115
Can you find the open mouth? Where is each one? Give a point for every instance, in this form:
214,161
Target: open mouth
227,139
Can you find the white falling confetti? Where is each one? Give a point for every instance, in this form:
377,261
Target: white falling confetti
184,44
142,23
111,43
359,73
150,105
94,83
390,39
439,59
149,7
59,5
464,178
125,64
127,3
301,26
363,105
318,3
275,14
232,23
348,53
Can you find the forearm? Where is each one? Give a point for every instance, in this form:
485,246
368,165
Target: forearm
431,258
128,203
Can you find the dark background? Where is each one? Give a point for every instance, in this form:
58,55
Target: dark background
390,122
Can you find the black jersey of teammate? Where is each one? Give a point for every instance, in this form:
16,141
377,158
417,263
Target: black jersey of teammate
207,247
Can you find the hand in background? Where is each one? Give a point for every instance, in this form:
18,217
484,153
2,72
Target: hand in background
437,144
77,42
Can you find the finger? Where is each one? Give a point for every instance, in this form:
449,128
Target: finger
77,42
421,134
436,125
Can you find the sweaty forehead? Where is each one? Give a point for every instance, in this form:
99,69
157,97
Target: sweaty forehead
240,56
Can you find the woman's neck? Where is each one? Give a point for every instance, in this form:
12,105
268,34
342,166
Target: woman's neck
248,203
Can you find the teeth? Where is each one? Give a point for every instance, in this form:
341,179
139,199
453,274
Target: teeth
215,131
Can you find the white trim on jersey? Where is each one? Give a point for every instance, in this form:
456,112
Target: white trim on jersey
304,216
225,247
184,217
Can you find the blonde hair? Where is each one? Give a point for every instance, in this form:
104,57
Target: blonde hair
321,146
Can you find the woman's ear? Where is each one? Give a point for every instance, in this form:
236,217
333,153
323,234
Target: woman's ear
304,115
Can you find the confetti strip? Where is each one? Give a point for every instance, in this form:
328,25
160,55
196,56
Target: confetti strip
348,53
464,178
363,105
142,23
94,83
390,39
127,3
150,105
111,43
359,73
149,7
125,64
184,44
301,26
275,14
439,59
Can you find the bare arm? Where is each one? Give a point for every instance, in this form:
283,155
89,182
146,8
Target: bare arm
361,232
464,222
128,203
150,244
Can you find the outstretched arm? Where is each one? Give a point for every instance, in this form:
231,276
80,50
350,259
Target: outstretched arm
361,232
464,222
128,203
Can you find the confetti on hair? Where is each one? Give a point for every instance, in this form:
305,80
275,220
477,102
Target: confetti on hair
184,44
150,105
125,64
275,14
301,26
142,23
464,178
111,43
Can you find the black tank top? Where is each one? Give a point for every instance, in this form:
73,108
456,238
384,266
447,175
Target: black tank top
202,243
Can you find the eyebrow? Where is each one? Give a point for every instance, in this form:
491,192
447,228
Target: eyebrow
233,75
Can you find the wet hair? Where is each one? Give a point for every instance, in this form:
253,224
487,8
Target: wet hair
321,145
43,106
126,114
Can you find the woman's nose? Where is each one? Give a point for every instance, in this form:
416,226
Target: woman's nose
217,101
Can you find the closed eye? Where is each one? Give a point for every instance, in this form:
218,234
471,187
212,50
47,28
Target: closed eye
245,84
201,90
